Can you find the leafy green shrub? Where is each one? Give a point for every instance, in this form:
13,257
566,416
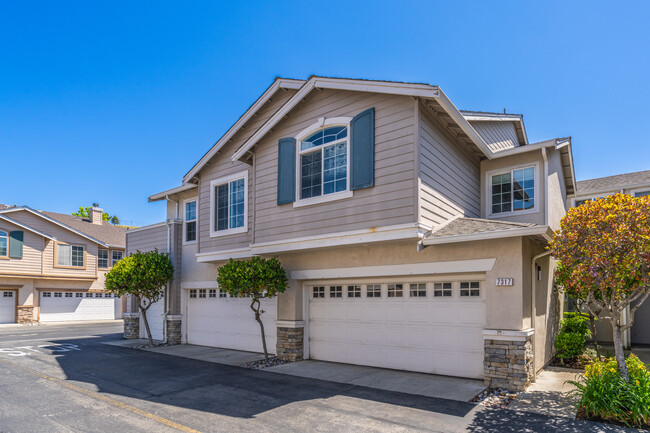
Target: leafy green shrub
576,322
603,394
572,338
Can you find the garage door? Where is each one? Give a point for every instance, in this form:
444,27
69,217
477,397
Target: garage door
7,306
155,317
425,326
70,306
215,319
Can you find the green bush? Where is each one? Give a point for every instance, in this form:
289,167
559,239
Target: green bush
572,338
603,394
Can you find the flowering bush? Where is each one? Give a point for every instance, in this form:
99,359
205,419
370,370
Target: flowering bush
603,394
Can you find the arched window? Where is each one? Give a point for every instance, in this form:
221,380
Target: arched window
323,161
4,244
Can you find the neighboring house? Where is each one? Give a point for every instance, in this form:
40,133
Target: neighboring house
636,184
52,266
413,233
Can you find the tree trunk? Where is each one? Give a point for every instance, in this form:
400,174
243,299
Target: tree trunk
618,348
146,325
594,337
259,320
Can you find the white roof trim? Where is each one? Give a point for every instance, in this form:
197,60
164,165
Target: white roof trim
26,227
53,221
280,83
494,234
161,195
425,91
488,117
150,226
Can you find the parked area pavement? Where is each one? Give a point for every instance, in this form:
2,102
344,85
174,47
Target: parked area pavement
72,382
549,395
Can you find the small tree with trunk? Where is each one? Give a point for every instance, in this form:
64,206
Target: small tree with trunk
604,251
144,276
256,278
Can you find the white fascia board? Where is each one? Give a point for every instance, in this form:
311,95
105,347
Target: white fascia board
151,226
216,256
26,227
280,83
508,335
452,267
484,117
379,234
528,148
53,221
496,234
162,195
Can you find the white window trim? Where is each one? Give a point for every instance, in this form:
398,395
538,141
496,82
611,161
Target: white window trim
196,220
5,236
488,190
215,182
322,123
111,256
108,258
634,191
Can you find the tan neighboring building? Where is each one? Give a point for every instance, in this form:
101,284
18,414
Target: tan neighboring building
413,233
52,266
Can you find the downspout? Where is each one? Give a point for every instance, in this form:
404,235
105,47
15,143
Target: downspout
169,250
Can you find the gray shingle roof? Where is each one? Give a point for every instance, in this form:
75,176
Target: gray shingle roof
106,232
467,226
618,181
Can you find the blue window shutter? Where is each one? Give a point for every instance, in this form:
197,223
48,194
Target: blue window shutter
16,245
362,150
286,170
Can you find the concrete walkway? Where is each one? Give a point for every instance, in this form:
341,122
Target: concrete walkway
548,395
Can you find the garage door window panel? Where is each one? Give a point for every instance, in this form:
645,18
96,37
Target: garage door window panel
318,292
418,290
470,289
212,293
336,291
8,294
395,290
373,291
192,293
442,290
354,291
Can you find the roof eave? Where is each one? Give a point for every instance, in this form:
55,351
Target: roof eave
26,227
161,195
544,231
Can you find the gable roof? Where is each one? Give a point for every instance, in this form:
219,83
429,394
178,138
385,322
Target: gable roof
105,234
278,83
464,229
488,126
424,91
611,183
24,226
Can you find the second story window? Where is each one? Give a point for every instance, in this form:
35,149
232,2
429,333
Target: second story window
513,191
323,162
116,257
190,221
70,255
4,244
102,259
641,193
229,209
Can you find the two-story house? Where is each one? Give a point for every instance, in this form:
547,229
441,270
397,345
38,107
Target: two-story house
52,266
413,233
636,184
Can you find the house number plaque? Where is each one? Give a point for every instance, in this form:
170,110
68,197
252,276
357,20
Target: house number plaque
505,281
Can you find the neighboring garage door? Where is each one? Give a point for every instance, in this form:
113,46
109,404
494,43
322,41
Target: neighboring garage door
215,319
425,326
155,319
60,306
7,306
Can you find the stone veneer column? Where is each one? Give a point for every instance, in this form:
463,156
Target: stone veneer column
508,359
131,325
290,340
25,314
174,323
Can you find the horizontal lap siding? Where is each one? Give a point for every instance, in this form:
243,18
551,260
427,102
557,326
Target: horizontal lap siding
147,240
30,263
498,135
391,201
449,175
221,166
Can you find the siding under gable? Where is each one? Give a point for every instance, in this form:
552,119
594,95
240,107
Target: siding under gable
497,134
30,263
449,176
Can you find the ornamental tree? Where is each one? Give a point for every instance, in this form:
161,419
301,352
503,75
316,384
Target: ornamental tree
603,247
255,278
143,275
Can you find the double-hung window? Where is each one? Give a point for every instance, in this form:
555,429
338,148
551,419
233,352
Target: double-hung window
70,255
513,191
4,244
116,256
641,193
229,204
102,259
190,221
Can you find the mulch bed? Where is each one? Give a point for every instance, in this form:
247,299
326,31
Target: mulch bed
494,397
261,364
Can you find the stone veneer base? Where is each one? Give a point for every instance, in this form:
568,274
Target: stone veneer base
131,325
174,329
508,363
25,314
290,343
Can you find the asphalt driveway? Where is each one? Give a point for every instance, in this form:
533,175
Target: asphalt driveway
62,379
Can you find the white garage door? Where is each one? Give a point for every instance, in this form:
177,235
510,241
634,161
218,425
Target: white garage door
70,306
7,306
155,318
215,319
426,327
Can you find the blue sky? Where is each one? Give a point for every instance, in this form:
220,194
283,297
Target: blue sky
111,102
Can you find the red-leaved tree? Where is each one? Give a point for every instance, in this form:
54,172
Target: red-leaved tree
603,247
